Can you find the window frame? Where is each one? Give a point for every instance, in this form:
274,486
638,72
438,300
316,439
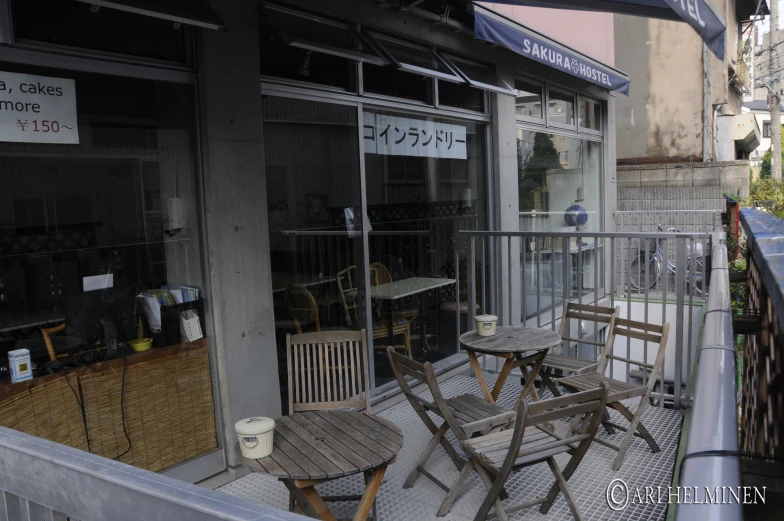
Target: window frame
766,124
324,48
450,60
586,130
375,40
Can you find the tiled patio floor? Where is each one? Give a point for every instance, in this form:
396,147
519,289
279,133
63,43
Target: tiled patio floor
589,484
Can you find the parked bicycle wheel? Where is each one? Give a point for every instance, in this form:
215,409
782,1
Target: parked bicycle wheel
637,275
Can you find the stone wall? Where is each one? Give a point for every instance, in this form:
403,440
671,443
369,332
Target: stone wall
681,186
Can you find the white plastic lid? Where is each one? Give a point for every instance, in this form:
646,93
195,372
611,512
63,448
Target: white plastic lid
486,318
254,425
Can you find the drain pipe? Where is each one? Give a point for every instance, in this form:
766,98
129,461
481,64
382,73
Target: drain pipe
704,102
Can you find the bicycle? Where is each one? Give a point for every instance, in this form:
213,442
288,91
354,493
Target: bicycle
653,271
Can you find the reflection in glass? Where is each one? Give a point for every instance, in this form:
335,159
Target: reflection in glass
560,184
590,114
528,101
561,108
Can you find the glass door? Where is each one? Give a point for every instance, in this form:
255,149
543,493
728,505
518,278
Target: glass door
314,205
425,179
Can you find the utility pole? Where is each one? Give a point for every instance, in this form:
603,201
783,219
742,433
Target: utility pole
775,94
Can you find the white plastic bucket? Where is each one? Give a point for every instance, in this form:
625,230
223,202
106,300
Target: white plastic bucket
485,324
255,436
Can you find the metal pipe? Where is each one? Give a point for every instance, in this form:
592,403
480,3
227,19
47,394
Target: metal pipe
714,422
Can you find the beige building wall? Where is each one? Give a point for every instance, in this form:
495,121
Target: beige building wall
663,115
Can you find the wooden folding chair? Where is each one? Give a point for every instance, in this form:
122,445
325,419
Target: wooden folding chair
622,390
329,370
556,360
498,454
462,412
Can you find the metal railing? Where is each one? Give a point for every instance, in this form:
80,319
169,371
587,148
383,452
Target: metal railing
541,270
711,458
42,480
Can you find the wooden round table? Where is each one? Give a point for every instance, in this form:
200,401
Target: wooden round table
520,346
317,446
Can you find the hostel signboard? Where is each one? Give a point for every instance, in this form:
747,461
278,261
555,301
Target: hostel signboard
37,109
401,136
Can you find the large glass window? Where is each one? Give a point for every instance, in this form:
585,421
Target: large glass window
315,220
426,179
560,109
560,189
100,252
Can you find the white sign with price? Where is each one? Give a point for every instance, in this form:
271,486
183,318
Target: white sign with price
37,109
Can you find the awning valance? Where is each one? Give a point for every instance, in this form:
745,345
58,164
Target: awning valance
699,14
493,27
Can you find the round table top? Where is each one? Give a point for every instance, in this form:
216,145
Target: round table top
510,339
328,445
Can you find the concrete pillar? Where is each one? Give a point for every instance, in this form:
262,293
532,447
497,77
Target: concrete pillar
507,202
236,219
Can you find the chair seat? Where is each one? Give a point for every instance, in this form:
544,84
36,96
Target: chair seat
469,408
491,449
618,390
408,313
383,324
565,363
452,306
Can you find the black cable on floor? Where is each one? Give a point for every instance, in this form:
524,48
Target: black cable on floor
122,406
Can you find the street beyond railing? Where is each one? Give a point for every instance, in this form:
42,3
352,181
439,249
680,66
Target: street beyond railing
43,480
655,277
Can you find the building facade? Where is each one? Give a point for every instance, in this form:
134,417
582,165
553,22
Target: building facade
263,166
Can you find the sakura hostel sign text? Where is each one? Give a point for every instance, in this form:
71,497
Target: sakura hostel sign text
37,109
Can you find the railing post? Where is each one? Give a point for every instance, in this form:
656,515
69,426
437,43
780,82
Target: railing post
680,287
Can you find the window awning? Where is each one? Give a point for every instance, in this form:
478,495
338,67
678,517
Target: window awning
699,14
496,28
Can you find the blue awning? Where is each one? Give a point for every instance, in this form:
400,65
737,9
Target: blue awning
493,27
699,14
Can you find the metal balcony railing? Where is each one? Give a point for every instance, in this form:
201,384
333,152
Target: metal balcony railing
655,277
43,480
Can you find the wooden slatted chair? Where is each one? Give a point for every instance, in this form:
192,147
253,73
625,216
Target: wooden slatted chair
621,390
498,454
401,326
329,370
458,413
556,360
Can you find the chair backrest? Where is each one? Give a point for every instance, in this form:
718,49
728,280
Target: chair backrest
302,307
590,403
588,313
328,370
640,331
403,366
348,294
382,274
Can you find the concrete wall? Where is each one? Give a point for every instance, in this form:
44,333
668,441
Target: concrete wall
588,32
663,115
236,223
681,186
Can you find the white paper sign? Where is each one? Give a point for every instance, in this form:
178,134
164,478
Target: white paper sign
37,109
400,136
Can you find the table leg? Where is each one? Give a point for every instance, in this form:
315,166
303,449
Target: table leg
388,313
376,476
479,377
502,376
308,499
530,378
